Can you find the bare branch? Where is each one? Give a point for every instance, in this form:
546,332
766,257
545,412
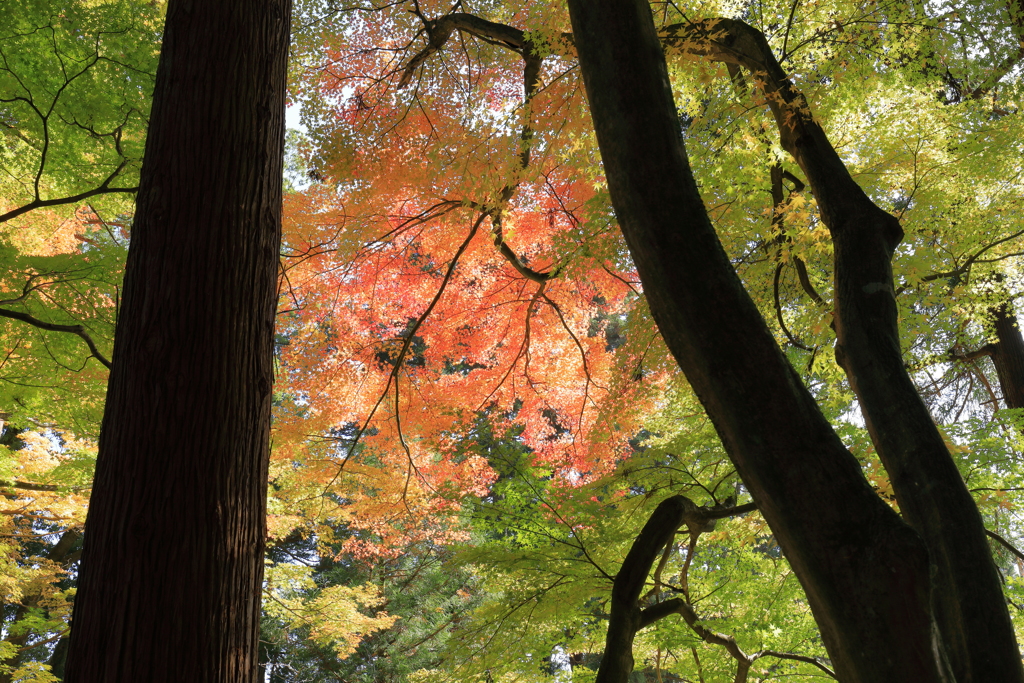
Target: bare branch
1006,544
51,327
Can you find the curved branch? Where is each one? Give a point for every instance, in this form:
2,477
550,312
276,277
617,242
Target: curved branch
51,327
797,658
778,310
1006,544
513,259
440,30
680,606
626,617
805,281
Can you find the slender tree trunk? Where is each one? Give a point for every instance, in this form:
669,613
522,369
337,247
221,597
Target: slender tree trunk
173,563
865,572
970,608
967,595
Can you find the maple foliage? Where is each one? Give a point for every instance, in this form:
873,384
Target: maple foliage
483,278
434,130
73,100
456,253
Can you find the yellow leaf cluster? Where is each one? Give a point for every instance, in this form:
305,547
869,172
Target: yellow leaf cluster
338,617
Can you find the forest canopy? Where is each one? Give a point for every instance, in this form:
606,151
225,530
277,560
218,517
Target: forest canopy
475,416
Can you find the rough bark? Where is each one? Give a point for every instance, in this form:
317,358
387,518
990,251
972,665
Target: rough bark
864,570
968,601
172,569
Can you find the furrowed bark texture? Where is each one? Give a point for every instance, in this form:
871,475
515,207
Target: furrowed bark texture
865,572
173,562
967,596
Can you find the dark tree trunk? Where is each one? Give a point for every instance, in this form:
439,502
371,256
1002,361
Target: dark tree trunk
626,617
969,605
173,563
968,601
864,570
1008,355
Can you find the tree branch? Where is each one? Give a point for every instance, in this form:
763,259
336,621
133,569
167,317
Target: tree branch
51,327
798,658
1006,544
103,188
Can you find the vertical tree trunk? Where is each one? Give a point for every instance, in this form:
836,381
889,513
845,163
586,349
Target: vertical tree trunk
865,572
173,563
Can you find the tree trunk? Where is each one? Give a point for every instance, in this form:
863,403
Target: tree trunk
1008,355
173,563
968,601
864,570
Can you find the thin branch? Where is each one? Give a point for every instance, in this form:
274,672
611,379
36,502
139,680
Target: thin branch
798,658
42,203
778,310
1006,544
407,343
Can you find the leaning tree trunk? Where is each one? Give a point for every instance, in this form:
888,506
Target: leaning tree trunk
1008,354
864,570
967,597
173,562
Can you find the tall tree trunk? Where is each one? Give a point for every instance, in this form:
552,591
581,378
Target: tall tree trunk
864,570
968,601
173,563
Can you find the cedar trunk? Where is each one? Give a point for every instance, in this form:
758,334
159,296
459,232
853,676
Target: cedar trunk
864,570
173,563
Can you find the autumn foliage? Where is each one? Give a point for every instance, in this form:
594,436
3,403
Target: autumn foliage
474,414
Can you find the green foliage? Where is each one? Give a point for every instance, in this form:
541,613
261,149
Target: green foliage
409,606
922,102
75,83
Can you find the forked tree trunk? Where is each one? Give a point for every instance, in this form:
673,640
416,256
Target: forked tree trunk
173,563
864,570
